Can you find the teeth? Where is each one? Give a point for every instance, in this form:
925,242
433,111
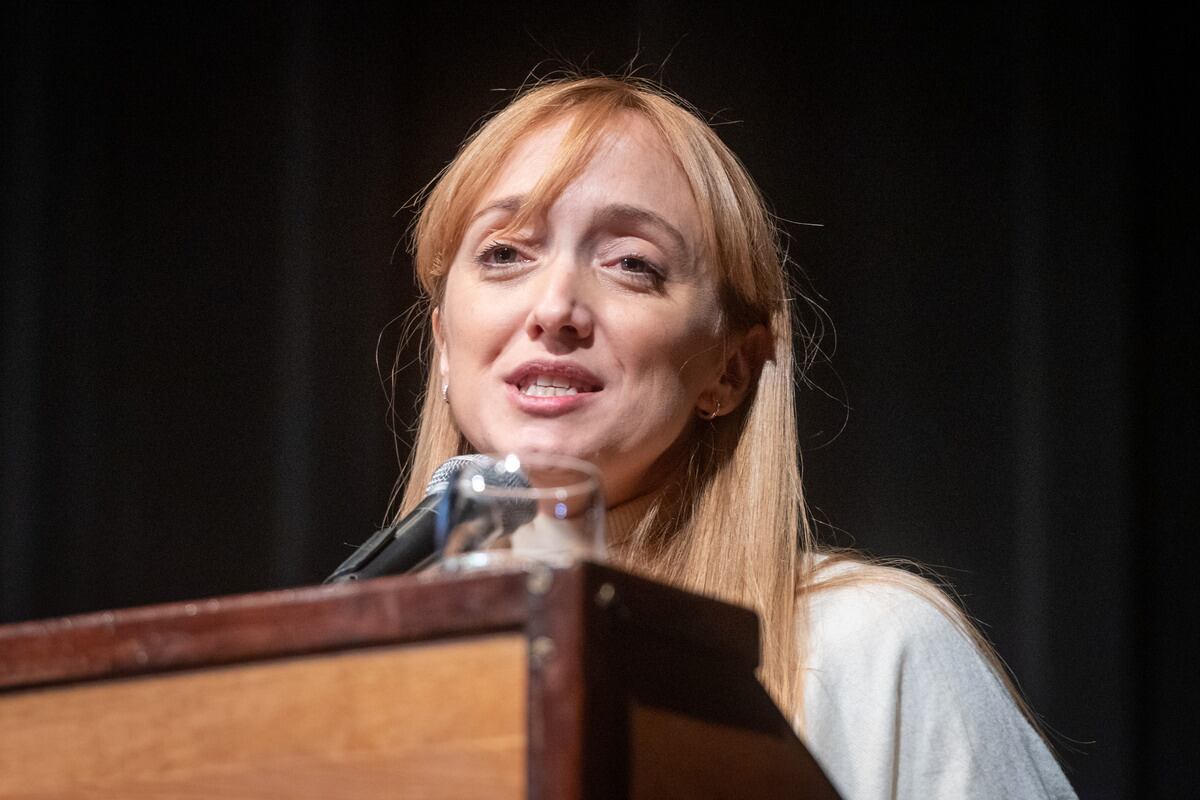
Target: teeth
549,386
541,390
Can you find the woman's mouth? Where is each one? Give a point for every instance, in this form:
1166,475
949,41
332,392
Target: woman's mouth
551,386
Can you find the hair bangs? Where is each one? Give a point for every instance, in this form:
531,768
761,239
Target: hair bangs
589,121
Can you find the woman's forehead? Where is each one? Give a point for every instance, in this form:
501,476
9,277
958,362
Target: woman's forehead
625,163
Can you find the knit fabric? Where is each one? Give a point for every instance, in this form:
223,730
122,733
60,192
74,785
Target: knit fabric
898,703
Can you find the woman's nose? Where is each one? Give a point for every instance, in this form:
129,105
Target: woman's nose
561,313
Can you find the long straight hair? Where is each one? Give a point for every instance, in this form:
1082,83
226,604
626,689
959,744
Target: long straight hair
732,523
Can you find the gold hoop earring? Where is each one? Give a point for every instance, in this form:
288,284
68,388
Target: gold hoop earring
711,415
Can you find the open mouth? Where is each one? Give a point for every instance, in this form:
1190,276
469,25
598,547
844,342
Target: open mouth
553,380
552,386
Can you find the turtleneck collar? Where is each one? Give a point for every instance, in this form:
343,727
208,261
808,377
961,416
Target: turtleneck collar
621,520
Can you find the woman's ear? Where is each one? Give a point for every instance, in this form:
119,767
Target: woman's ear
744,358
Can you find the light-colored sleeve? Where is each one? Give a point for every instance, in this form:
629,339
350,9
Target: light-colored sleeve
898,703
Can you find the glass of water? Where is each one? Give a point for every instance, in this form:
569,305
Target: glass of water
518,510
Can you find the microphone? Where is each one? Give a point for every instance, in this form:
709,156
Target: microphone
487,501
405,545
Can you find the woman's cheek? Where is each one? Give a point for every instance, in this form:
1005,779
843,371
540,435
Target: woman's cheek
484,329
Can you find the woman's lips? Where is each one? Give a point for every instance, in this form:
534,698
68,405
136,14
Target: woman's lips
554,375
548,387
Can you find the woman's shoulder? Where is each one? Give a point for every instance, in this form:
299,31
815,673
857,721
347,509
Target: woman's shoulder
859,605
901,699
880,628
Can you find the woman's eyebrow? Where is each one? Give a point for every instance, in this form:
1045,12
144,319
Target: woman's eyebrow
609,215
622,213
511,204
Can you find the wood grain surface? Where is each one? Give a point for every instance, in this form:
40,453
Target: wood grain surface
223,630
443,719
678,757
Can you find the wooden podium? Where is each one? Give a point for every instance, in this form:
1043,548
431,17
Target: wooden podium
583,682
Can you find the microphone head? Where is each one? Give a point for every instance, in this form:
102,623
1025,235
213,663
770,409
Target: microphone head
451,467
498,484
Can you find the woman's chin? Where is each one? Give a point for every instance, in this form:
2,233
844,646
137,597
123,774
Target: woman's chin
541,439
547,447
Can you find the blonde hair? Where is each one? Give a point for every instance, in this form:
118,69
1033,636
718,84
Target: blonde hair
733,523
742,473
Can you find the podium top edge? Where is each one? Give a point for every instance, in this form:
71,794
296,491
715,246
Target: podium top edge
390,610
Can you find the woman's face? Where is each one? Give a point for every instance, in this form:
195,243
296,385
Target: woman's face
593,332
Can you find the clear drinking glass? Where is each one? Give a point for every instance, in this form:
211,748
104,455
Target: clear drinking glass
519,510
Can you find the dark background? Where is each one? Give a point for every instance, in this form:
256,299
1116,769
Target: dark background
198,232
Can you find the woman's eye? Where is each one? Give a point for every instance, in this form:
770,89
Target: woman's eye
499,255
638,268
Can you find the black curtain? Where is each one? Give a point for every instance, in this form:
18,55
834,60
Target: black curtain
200,294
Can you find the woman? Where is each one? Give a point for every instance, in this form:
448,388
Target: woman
604,281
